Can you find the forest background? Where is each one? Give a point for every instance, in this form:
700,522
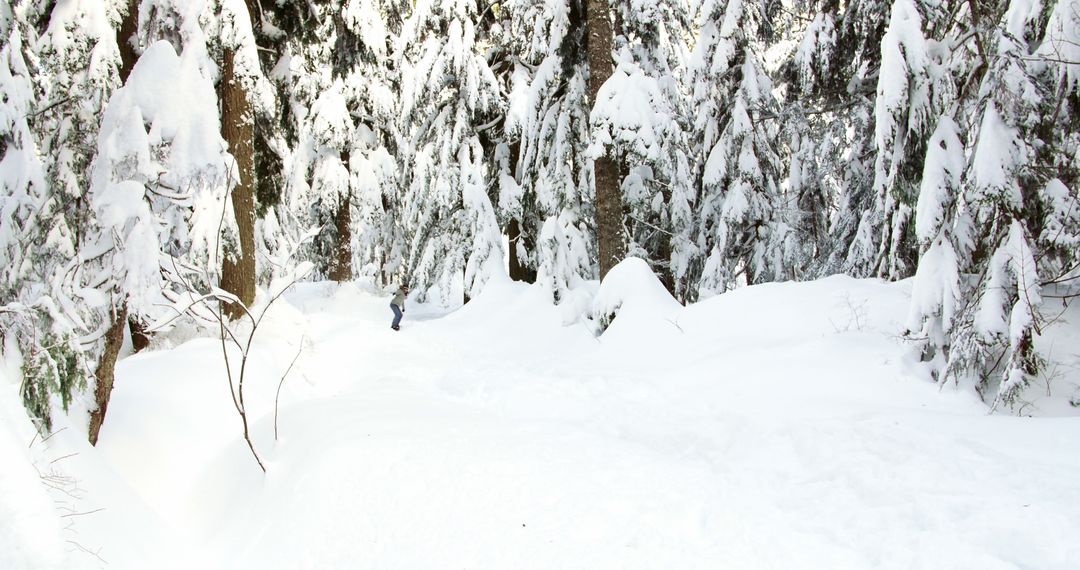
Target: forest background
165,160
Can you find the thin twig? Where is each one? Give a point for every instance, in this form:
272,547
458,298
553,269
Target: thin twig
50,436
82,513
277,396
95,554
63,457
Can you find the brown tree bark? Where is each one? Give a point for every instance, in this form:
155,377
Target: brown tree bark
609,216
518,270
238,128
129,26
341,264
114,339
140,339
104,374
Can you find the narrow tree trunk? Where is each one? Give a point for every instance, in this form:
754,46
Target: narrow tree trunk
114,338
609,230
238,267
105,373
341,264
128,28
518,270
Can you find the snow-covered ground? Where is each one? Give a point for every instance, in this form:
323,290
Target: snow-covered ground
776,426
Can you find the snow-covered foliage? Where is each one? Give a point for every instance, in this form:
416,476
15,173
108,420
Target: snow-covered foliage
39,320
448,93
339,88
753,141
743,225
158,190
935,293
901,109
641,118
547,120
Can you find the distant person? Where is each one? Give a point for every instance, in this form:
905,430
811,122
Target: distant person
397,304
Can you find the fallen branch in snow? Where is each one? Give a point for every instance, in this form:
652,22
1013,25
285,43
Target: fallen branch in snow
74,514
94,553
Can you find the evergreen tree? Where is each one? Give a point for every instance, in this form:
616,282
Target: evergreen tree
340,84
546,192
906,92
642,111
610,235
829,85
740,235
448,91
1010,192
36,241
157,194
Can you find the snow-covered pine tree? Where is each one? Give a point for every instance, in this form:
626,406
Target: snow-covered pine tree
739,231
807,135
828,85
1059,74
545,192
936,290
82,60
36,242
1012,159
317,186
366,31
448,91
339,86
157,192
908,85
641,113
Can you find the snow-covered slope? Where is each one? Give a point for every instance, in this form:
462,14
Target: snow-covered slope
776,426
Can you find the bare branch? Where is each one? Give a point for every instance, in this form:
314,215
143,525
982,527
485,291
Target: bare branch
277,397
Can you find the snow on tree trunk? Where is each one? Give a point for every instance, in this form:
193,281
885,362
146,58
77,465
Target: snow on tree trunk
609,215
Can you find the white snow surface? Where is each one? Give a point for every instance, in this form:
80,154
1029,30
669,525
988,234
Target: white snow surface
775,426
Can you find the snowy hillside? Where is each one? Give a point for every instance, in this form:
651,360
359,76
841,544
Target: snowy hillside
776,426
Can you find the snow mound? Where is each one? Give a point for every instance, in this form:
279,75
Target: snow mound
631,298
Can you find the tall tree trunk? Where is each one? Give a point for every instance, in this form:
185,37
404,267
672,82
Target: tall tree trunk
518,270
341,263
238,126
105,373
609,215
129,27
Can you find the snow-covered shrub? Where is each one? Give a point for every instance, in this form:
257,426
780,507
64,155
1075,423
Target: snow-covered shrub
633,293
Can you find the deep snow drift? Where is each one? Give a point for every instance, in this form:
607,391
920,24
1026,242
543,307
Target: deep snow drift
776,426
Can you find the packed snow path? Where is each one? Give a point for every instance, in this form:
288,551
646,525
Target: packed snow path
778,426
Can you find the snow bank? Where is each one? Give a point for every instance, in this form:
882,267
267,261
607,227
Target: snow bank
30,530
775,426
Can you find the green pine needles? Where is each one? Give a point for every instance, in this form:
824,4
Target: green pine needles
53,369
